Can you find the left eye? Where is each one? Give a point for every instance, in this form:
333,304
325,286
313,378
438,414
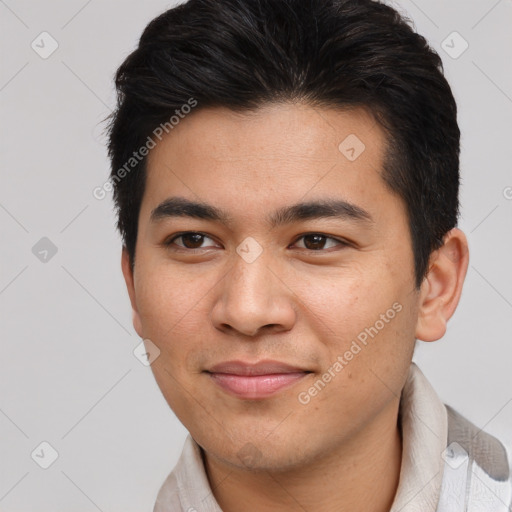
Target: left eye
317,241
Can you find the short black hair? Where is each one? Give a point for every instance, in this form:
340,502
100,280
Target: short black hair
243,54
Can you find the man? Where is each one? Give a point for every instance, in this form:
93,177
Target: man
286,176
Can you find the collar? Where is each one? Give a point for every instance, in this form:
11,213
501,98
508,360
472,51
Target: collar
424,425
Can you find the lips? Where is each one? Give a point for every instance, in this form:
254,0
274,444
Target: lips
255,380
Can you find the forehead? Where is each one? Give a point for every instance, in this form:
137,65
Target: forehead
281,131
270,157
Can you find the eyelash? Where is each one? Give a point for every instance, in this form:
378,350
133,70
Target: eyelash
170,241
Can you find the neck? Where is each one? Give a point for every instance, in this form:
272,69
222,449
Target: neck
342,481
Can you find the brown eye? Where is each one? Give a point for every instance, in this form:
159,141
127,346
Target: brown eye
317,242
190,240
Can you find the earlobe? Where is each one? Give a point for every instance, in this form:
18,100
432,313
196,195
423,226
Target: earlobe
442,287
130,285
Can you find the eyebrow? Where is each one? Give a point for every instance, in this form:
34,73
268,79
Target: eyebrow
327,208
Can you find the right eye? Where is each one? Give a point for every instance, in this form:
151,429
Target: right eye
190,241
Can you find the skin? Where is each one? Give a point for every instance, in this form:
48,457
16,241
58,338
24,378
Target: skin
293,304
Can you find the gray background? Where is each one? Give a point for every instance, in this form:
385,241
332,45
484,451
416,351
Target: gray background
68,375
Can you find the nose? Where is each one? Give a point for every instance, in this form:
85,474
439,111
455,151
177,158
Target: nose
253,298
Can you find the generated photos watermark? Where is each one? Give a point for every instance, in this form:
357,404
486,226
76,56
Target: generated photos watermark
139,155
361,341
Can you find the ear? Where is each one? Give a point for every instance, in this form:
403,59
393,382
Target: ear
130,285
442,286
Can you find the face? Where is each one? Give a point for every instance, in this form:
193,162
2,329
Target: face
284,330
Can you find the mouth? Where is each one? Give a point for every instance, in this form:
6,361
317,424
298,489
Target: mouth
253,381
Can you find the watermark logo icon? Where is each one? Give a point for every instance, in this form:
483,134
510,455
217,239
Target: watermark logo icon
44,250
454,45
352,147
146,352
44,45
44,455
250,455
249,250
454,455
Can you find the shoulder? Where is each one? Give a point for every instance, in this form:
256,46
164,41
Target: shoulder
477,469
485,450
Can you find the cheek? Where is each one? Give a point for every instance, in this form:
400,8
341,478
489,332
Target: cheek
170,301
342,302
368,321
